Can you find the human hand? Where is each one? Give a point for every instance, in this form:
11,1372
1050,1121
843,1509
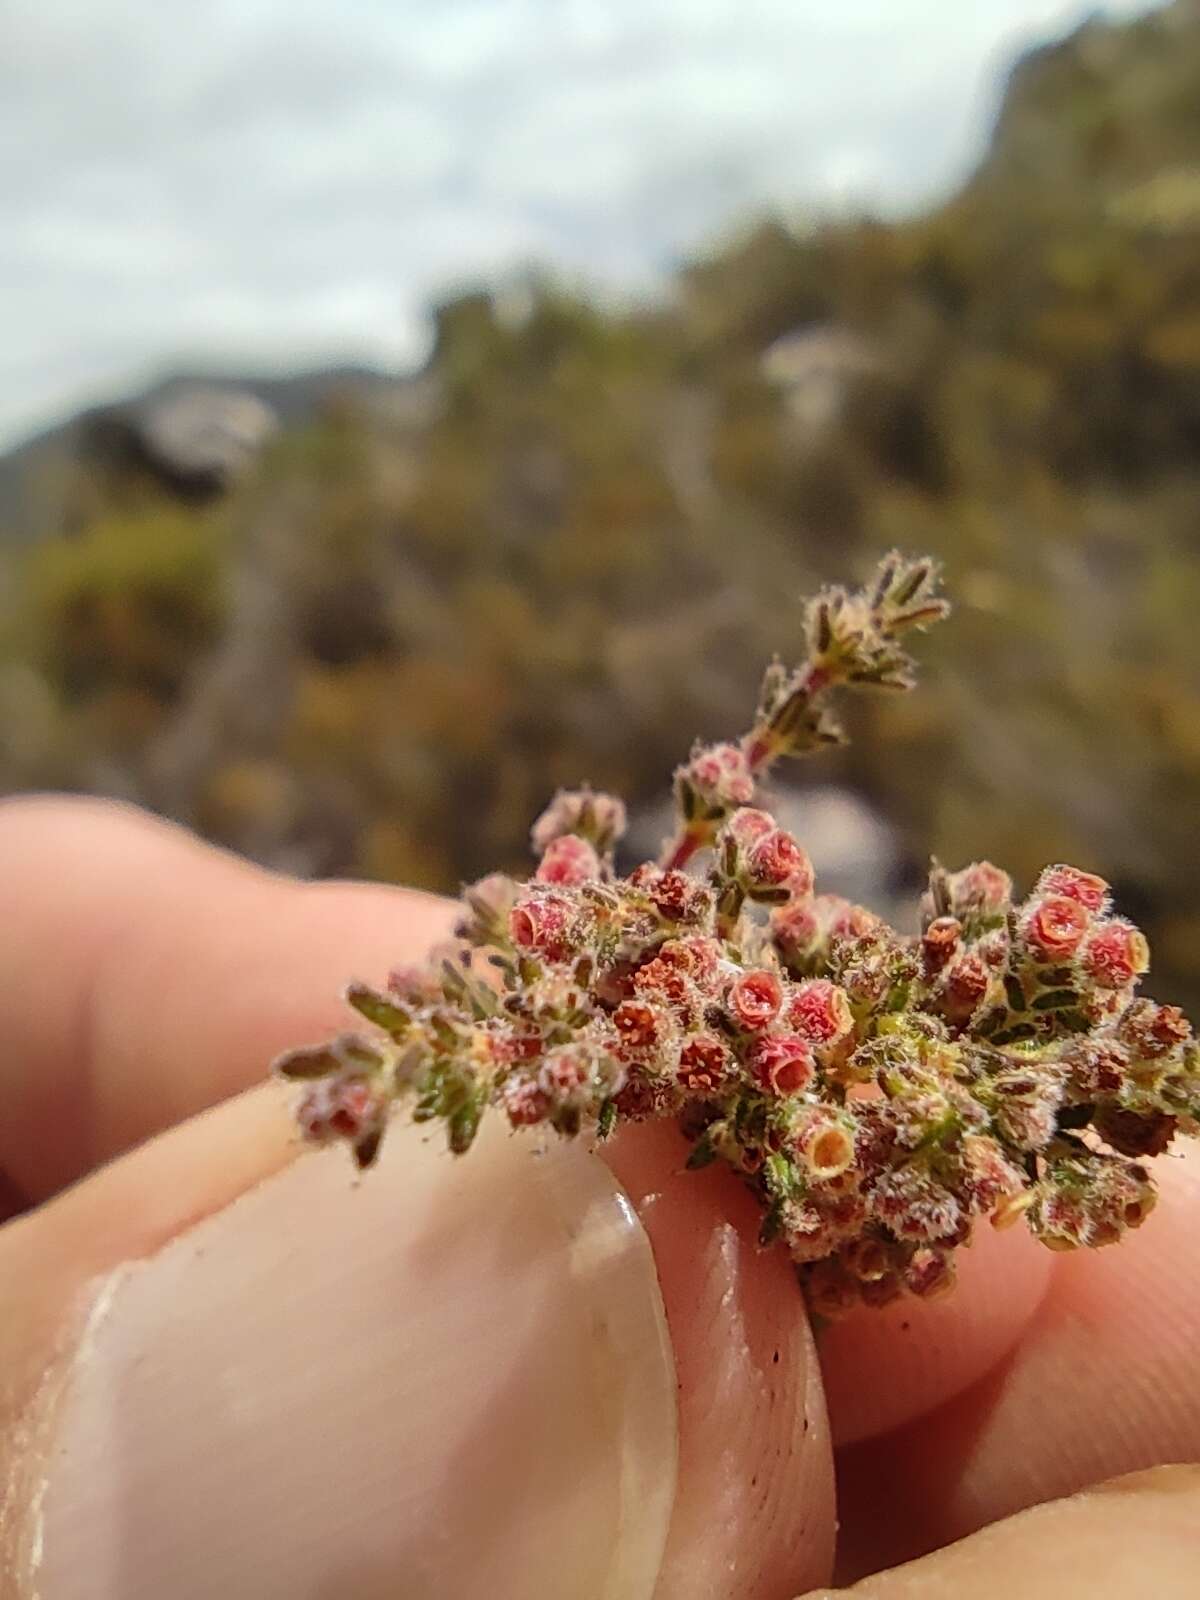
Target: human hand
229,1370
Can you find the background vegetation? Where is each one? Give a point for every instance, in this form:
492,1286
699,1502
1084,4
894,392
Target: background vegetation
569,546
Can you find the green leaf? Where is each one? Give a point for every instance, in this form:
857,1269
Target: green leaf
315,1061
377,1008
1055,1000
463,1125
703,1153
606,1121
771,1226
1015,993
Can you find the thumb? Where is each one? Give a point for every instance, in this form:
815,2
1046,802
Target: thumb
450,1378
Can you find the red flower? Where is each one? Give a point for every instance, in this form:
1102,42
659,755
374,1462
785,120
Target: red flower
569,860
755,999
541,924
783,1063
639,1025
721,775
819,1011
664,980
1115,954
703,1063
775,859
1056,926
1090,891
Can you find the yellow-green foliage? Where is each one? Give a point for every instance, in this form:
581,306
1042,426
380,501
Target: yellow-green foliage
127,602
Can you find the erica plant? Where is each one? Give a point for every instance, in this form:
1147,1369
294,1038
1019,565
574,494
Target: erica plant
881,1093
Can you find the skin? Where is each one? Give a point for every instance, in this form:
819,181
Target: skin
1041,1377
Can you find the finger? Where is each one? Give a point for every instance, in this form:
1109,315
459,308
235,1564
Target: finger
886,1368
1139,1535
754,1426
756,1516
454,1375
451,1376
147,976
1106,1381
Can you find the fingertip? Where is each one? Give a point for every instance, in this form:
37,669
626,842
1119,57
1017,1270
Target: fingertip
884,1368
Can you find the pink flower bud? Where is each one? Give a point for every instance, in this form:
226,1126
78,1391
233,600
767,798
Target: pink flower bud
568,860
966,983
1054,927
541,925
819,1011
929,1274
747,825
914,1205
703,1063
754,1000
720,775
1114,954
700,957
524,1103
1151,1030
981,887
795,930
782,1063
988,1177
775,860
1090,891
565,1076
843,920
487,904
598,818
672,893
339,1108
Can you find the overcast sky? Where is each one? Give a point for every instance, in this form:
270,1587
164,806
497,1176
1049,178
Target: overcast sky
277,182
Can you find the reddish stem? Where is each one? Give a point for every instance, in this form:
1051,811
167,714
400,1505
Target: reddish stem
682,850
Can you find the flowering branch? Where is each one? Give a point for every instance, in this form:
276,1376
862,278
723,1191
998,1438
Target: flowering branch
880,1094
853,640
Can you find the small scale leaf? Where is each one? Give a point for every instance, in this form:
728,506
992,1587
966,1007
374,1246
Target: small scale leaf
1014,993
1055,1000
315,1061
377,1008
703,1153
607,1119
463,1126
771,1227
367,1148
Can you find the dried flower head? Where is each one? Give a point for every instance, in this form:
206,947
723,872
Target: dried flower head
880,1094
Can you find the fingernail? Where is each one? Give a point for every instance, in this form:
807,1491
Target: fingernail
445,1378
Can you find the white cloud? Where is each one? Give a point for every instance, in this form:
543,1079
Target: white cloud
271,181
